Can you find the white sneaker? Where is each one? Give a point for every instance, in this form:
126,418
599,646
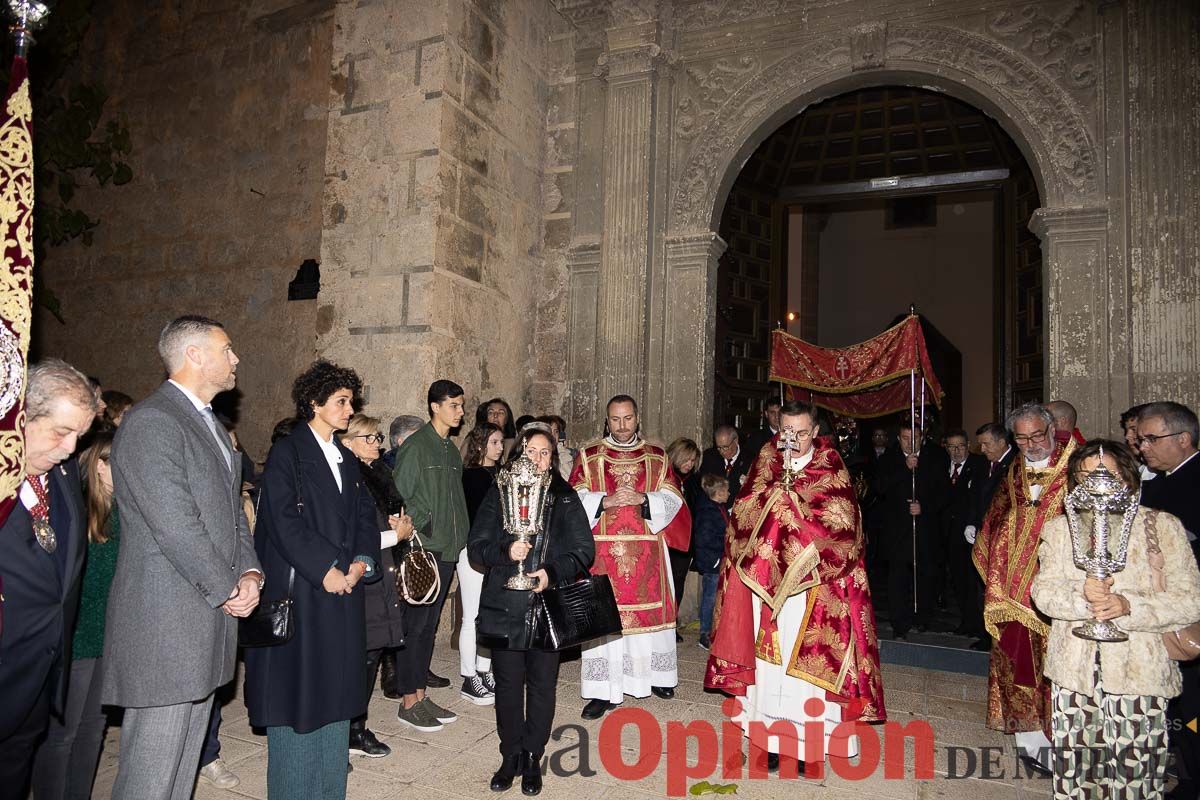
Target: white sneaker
219,775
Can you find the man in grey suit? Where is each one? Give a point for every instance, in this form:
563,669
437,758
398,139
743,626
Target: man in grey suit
186,570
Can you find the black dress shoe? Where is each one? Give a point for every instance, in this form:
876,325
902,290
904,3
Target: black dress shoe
502,780
665,692
1035,766
435,681
531,774
387,675
364,743
595,709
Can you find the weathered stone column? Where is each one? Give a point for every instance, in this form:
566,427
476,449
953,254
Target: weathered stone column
1076,310
628,67
691,324
583,268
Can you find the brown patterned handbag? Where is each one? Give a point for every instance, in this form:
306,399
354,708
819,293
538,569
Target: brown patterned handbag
417,578
1183,644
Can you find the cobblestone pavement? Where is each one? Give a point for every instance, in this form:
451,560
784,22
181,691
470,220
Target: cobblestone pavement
458,761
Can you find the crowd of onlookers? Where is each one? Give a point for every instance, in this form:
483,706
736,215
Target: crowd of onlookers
339,503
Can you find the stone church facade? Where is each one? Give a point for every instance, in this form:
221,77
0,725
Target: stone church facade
524,195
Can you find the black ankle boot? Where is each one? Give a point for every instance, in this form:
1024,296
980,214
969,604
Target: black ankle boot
531,773
387,675
502,780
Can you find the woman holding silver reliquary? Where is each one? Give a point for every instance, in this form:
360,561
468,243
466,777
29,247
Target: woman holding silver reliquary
529,495
1107,659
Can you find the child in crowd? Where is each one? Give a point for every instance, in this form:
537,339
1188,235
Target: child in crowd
709,520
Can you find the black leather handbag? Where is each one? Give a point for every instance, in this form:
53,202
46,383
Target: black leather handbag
575,612
270,623
274,622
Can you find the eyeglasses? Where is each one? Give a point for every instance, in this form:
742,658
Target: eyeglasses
372,438
1151,438
1033,438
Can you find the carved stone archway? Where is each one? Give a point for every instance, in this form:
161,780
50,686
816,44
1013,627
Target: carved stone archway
724,113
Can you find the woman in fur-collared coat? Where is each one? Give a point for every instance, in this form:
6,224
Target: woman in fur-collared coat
1109,715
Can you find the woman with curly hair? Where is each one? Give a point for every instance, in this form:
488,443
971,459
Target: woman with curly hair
317,538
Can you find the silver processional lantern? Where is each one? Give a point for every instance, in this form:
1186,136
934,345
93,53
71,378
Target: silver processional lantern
523,495
1103,494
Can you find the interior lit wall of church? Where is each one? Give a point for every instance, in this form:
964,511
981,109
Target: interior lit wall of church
869,273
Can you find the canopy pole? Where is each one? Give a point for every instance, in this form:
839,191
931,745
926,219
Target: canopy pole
912,421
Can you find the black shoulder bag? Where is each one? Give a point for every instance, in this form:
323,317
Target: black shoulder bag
274,622
577,610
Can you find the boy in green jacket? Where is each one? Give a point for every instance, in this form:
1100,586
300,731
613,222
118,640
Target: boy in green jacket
428,474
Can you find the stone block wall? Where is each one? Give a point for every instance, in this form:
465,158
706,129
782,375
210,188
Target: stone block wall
437,117
1160,73
225,102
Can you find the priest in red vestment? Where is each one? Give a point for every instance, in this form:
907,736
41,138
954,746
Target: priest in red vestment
1005,553
635,503
794,618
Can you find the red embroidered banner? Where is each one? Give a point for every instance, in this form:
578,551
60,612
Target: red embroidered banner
868,379
16,279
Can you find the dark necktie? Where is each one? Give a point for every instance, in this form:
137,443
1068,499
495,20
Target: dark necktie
954,475
728,468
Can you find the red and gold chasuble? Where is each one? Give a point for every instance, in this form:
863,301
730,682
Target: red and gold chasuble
1005,554
627,551
784,540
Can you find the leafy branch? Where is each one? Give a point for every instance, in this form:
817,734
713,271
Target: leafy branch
71,148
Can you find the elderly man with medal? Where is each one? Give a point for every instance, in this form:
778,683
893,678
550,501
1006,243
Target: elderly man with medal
794,619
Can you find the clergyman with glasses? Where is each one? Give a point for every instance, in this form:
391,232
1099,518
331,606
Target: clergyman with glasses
1166,437
1005,553
794,620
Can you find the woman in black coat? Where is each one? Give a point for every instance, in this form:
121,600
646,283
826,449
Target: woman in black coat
385,615
316,517
526,675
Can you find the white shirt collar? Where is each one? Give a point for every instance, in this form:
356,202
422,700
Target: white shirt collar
1045,462
800,462
611,442
1007,450
735,456
1181,463
196,401
333,456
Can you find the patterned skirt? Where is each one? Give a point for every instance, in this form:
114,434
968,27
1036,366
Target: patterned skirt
1108,745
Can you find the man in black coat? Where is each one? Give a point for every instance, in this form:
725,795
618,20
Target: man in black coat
1167,437
898,508
998,453
727,458
757,438
966,470
42,548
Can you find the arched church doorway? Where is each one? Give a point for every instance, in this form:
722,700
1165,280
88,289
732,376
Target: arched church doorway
863,204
